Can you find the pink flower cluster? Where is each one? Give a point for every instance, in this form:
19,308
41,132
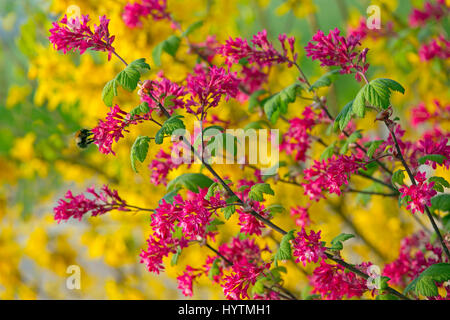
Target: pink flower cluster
186,280
437,48
75,34
308,248
132,13
420,113
206,49
208,86
333,282
162,90
418,196
191,216
362,31
330,175
111,129
301,216
261,52
297,140
428,146
336,50
98,203
416,254
160,167
435,11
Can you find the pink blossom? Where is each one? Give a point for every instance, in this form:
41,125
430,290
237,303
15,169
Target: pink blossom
186,280
161,166
435,11
439,47
330,175
97,204
111,129
336,50
308,248
236,285
418,196
416,254
208,86
261,52
248,222
362,31
162,90
132,13
421,114
206,49
75,34
333,282
297,140
190,216
252,79
428,146
301,216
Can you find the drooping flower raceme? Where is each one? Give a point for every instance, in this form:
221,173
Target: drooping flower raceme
308,248
297,140
333,282
133,12
207,86
437,48
261,52
301,216
330,175
421,114
336,50
75,34
97,203
435,11
111,129
418,196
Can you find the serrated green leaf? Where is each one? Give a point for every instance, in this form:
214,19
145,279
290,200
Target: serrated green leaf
425,283
441,202
214,270
212,226
336,243
344,117
128,78
190,181
140,109
284,251
278,103
373,147
109,92
168,127
351,139
325,80
196,25
398,177
168,197
256,191
328,152
139,150
211,190
359,104
438,158
139,65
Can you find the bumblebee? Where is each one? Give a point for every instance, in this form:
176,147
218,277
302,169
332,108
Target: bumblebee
83,138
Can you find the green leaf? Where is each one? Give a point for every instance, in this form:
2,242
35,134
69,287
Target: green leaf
109,92
140,65
258,287
229,210
190,181
425,283
376,93
275,208
175,257
168,197
351,139
139,150
196,25
256,192
438,158
278,103
212,226
336,243
373,147
215,270
344,117
398,177
441,202
129,77
211,190
168,127
253,100
284,252
170,46
325,80
328,152
140,109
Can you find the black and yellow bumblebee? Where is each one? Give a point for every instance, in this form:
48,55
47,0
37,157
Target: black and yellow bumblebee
83,138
